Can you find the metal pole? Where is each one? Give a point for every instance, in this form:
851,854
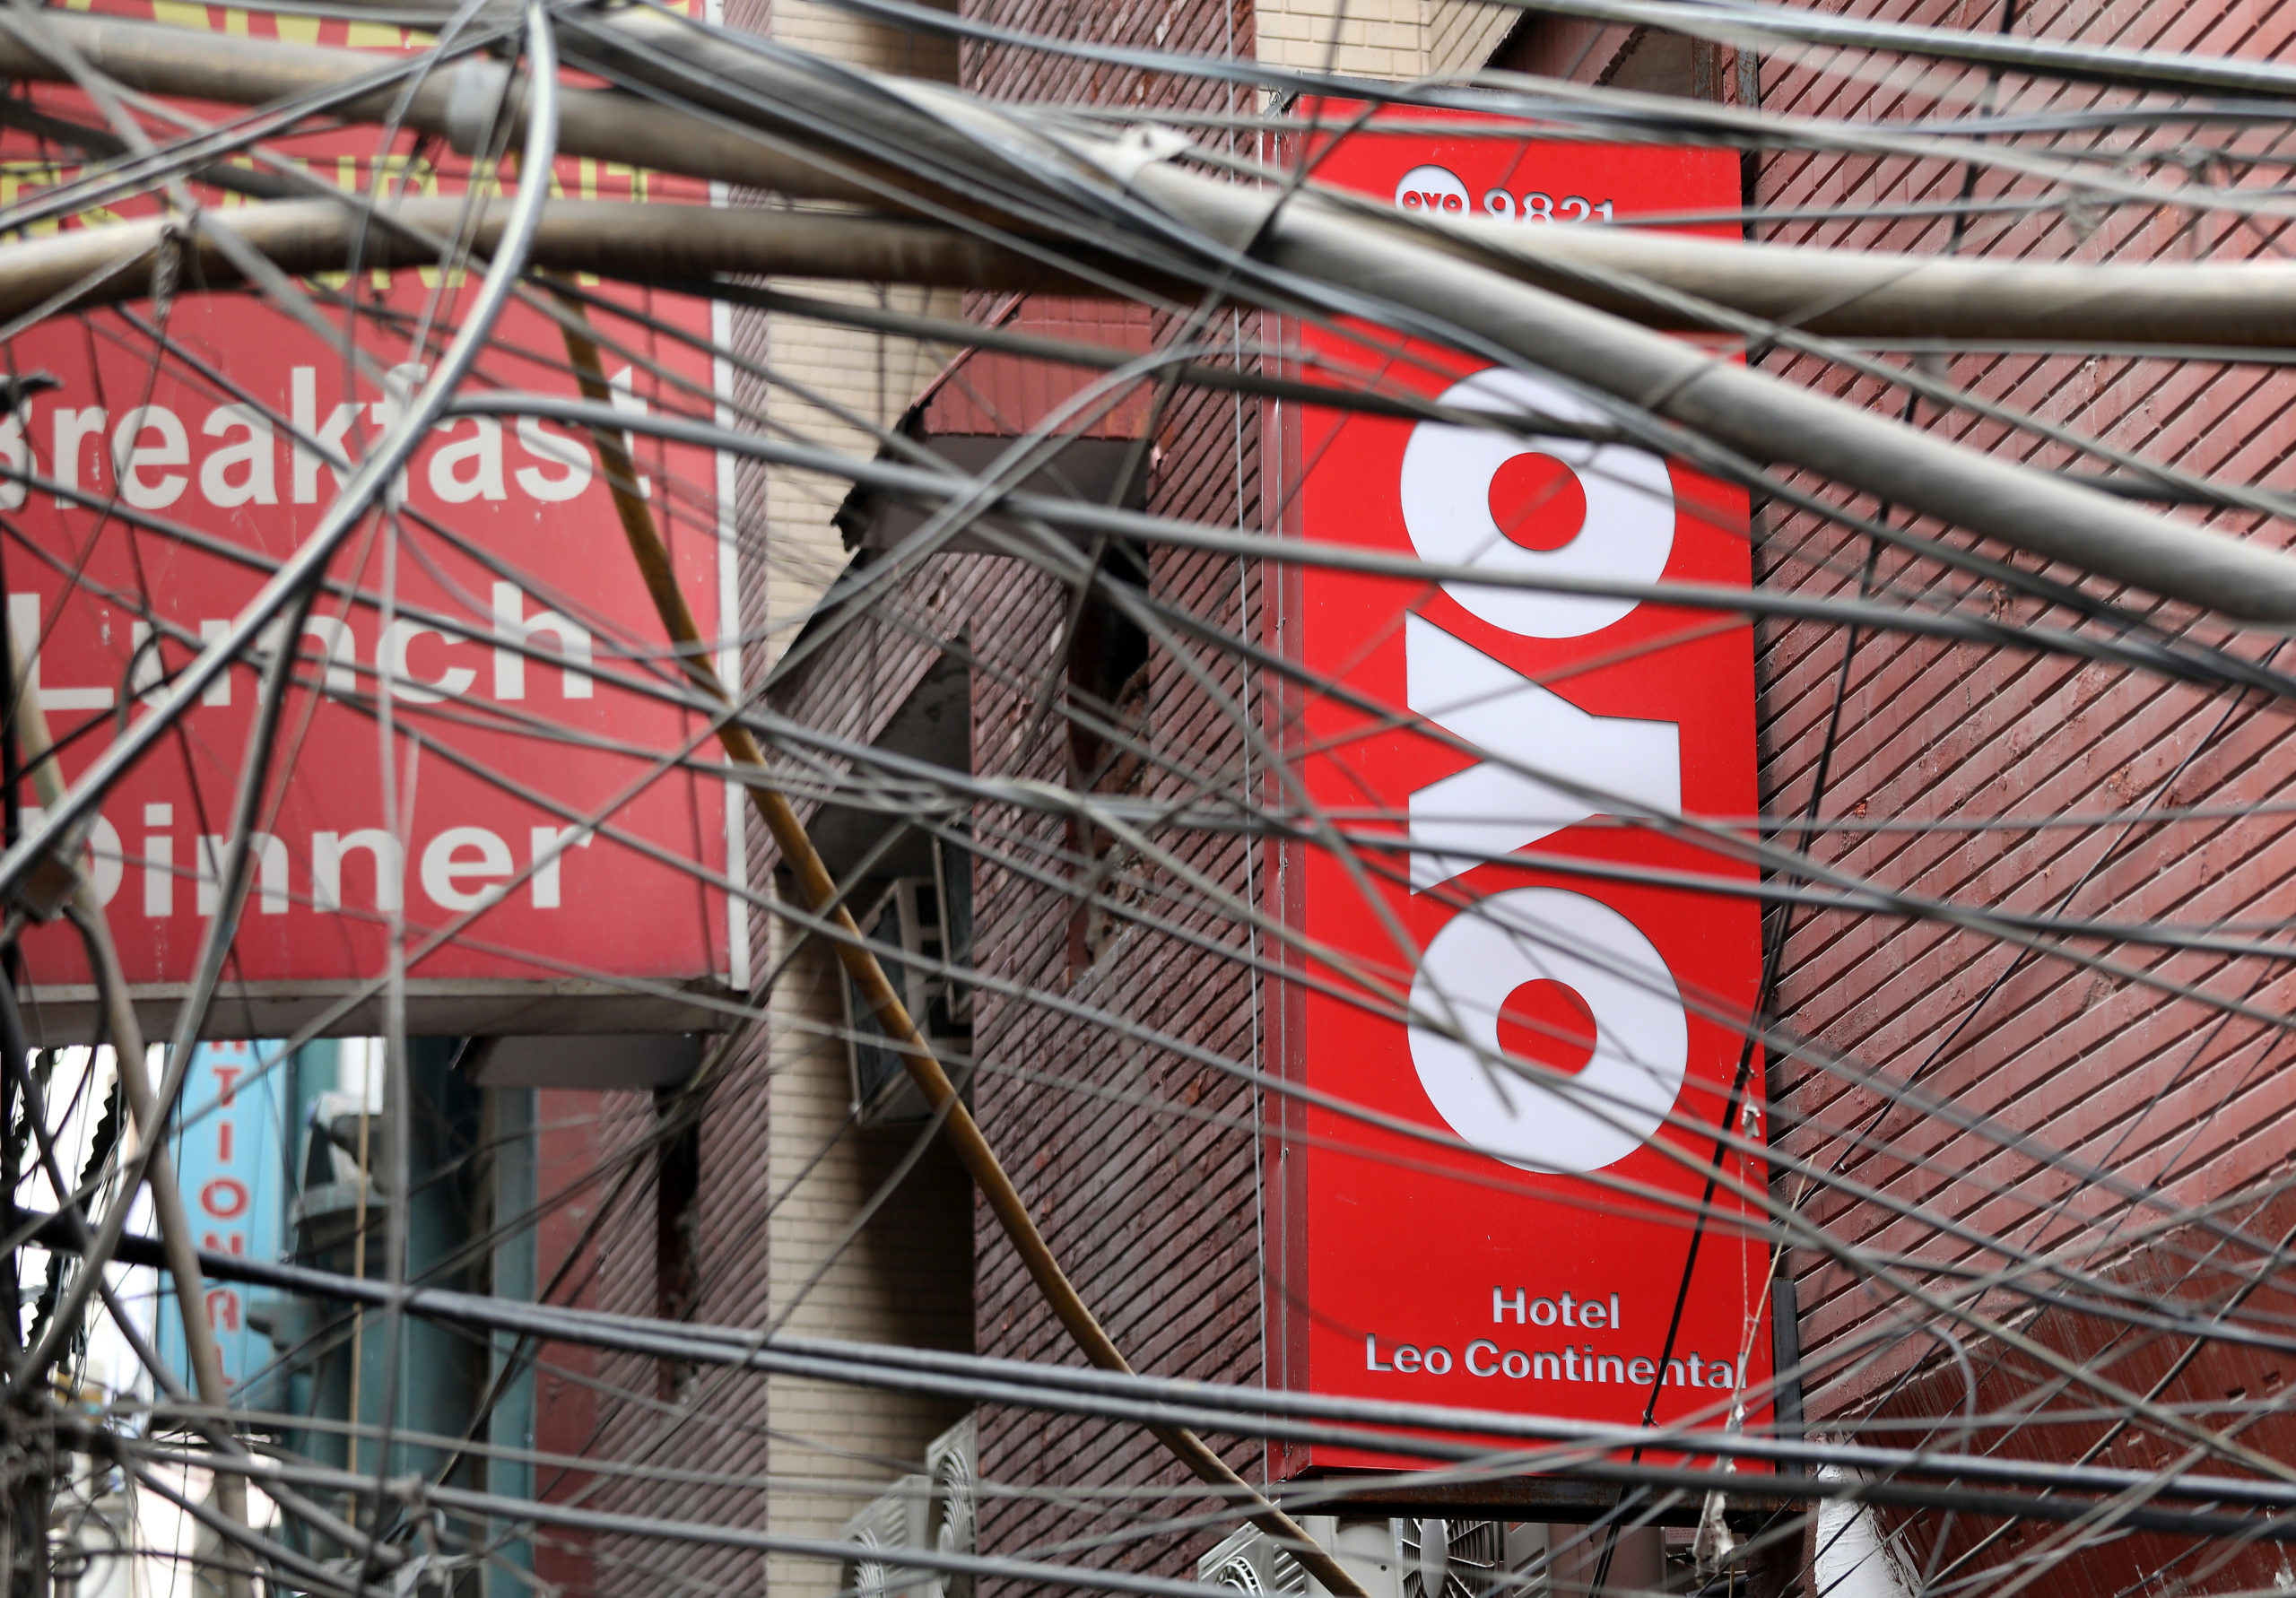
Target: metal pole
613,239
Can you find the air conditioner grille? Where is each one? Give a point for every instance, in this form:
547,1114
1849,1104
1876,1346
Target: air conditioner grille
1247,1561
949,1462
1449,1558
893,1521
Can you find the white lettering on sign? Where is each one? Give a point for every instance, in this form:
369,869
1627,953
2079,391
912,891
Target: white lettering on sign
1490,810
338,641
460,854
241,473
1545,1312
266,853
18,455
390,661
452,860
512,622
1541,1119
159,862
1538,1119
147,675
74,427
342,647
24,637
332,435
328,851
471,469
132,456
1536,207
550,845
155,461
1572,1362
1445,487
1431,187
571,459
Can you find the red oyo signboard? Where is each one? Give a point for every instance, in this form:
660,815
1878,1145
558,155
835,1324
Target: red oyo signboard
540,818
1504,762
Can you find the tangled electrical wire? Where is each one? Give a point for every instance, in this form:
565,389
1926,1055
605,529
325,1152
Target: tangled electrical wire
1974,393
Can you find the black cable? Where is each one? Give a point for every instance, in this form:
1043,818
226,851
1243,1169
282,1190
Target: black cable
99,1148
1980,1483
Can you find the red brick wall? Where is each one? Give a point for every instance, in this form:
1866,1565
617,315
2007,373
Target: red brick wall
1138,1162
2070,1063
1198,27
568,1149
624,1284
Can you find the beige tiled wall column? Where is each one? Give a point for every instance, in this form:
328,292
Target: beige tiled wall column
836,1448
828,369
1463,34
833,1448
868,376
1376,39
1401,40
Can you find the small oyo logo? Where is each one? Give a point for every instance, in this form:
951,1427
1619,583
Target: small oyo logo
1431,189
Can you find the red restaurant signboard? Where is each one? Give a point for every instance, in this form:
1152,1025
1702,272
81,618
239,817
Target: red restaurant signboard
1485,1235
498,759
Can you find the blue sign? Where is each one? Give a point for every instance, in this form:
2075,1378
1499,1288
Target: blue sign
231,1144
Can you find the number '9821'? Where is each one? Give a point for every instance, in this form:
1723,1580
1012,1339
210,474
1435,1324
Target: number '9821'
1429,186
1536,207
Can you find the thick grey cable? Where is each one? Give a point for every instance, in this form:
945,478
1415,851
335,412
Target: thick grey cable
1749,411
1872,295
1071,1389
1087,519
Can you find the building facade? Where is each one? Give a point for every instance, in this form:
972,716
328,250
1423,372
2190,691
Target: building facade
767,1194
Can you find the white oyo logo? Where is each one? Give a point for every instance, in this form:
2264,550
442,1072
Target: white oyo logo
1555,765
1489,809
1447,477
1534,1119
1432,188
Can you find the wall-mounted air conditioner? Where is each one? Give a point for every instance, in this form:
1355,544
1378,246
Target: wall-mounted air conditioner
1392,1558
951,1472
1247,1561
894,1520
1449,1558
929,920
